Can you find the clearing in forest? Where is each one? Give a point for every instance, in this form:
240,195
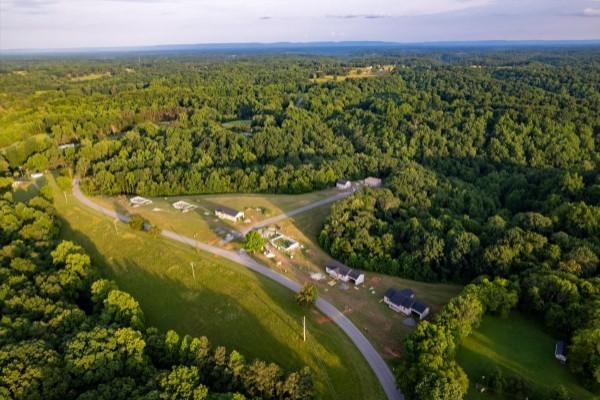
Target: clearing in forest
518,347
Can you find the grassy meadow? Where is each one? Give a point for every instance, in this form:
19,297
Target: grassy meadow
229,304
519,347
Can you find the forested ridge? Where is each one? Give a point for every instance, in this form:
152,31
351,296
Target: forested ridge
489,160
67,334
154,127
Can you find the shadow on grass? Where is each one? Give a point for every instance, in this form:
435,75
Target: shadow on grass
190,308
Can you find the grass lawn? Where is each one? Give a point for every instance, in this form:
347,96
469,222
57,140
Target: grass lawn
517,346
230,304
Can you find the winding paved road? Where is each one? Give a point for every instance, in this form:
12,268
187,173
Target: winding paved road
382,371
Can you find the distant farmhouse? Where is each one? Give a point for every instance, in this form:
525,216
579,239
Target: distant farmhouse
560,351
372,182
66,146
183,206
343,273
404,301
228,213
343,184
139,201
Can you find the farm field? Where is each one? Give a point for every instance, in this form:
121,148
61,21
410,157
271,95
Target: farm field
357,73
517,346
242,125
229,304
90,77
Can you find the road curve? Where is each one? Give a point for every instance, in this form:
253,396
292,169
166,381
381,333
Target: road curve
288,214
381,369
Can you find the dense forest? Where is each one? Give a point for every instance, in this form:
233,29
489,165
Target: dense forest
66,334
490,162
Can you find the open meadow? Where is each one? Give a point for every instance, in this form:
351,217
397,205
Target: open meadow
518,347
229,304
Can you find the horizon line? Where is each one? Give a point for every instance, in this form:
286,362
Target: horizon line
241,45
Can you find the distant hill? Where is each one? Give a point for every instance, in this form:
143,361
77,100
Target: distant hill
305,47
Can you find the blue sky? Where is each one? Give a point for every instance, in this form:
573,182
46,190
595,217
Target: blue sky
93,23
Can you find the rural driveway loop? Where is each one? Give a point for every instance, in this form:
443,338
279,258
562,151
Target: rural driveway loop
381,369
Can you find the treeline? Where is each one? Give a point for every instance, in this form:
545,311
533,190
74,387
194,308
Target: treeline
155,127
501,221
429,370
65,334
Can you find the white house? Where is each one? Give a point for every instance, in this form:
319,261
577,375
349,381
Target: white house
372,182
343,273
343,184
404,301
560,351
228,213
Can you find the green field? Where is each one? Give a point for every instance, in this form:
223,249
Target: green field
230,304
519,347
90,77
243,124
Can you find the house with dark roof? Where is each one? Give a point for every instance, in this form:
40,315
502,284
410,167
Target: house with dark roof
344,273
343,184
228,213
404,301
560,351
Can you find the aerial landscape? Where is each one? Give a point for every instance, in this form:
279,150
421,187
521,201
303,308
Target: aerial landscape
272,199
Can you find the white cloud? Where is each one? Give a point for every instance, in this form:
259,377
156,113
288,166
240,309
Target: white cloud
592,12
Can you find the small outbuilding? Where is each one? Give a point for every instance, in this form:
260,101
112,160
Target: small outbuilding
372,182
343,184
560,351
229,213
139,201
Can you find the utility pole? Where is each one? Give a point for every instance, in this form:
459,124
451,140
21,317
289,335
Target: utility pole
193,272
304,325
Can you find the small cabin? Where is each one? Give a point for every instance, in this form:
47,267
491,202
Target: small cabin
560,351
